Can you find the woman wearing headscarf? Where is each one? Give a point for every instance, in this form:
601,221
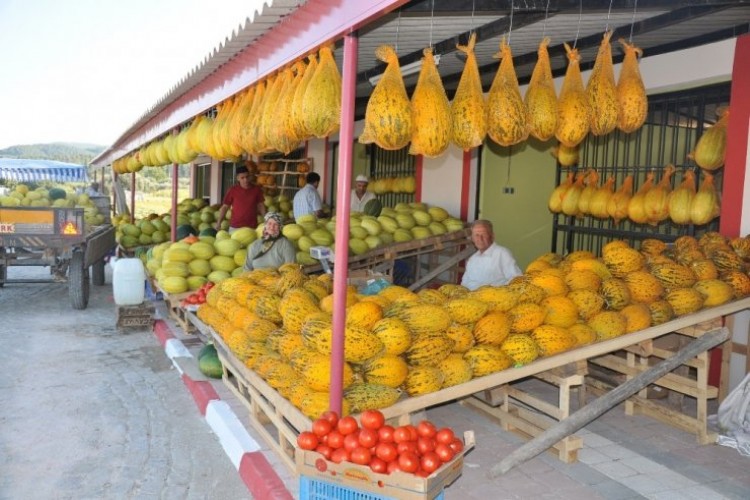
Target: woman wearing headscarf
273,249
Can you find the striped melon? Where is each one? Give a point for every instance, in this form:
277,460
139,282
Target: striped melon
587,301
317,374
487,358
521,348
461,335
499,298
394,334
661,312
608,324
425,318
423,380
492,328
552,340
583,333
456,370
466,310
369,396
429,349
644,287
561,311
685,300
616,293
386,369
715,291
637,316
526,316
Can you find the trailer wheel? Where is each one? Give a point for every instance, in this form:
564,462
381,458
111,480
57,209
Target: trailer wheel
78,281
3,275
97,273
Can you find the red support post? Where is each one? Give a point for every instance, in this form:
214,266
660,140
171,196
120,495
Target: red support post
132,198
173,212
343,197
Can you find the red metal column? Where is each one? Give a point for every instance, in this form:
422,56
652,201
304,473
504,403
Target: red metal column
343,196
173,221
132,197
735,161
419,168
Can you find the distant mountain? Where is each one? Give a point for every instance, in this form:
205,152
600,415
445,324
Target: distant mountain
69,152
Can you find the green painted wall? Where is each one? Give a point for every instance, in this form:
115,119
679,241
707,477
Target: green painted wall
521,220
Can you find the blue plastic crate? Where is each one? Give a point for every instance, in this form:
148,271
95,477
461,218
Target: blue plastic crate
314,489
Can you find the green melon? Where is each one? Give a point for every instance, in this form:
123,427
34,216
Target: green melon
185,230
373,207
208,232
57,194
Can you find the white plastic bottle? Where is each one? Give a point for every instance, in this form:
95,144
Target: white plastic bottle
128,281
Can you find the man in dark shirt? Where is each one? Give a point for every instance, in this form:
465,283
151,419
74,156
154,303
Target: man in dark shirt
246,201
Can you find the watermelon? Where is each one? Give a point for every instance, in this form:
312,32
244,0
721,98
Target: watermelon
57,194
185,230
208,362
373,207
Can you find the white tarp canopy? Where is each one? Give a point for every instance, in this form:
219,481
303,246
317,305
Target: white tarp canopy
19,170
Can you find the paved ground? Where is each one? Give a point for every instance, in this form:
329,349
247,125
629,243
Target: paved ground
90,413
86,412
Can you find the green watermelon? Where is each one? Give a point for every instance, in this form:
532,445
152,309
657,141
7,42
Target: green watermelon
208,362
373,207
209,231
57,194
184,231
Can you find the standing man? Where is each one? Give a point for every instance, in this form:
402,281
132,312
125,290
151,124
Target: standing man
307,200
246,201
360,194
491,264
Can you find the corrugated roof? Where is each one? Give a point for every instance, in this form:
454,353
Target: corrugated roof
659,26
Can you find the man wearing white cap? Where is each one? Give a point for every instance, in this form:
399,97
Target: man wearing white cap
360,194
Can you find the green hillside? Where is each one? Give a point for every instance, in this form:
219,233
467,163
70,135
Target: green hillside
78,153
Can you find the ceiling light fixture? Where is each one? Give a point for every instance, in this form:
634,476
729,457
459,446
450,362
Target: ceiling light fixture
406,69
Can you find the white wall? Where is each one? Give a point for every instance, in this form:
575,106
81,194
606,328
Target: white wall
441,180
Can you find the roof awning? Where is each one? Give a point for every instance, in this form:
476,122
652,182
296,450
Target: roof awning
19,170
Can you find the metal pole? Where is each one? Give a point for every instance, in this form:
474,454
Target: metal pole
343,196
132,197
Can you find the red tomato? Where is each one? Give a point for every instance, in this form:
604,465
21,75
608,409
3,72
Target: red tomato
324,450
340,455
408,461
407,446
425,444
426,429
422,473
372,419
386,452
347,425
457,445
393,466
385,434
321,427
368,438
402,434
445,452
322,439
445,436
307,440
335,439
351,441
430,462
378,465
412,432
331,416
192,299
360,456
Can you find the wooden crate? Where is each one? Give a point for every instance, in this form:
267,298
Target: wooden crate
691,379
177,313
527,414
137,317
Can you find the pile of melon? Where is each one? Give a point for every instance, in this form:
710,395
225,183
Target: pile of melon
403,222
58,197
279,322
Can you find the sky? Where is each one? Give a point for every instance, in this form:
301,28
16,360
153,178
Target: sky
85,70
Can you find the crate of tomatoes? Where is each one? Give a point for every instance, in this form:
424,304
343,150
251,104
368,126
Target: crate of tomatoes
341,458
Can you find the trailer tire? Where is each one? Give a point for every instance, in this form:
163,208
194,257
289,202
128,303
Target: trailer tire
97,273
3,275
78,281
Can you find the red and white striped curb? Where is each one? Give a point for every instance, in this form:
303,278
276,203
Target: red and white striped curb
244,452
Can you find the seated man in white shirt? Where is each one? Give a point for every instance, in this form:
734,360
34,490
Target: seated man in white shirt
491,264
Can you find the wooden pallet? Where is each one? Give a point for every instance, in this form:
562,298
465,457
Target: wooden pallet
277,420
527,414
177,313
691,379
428,257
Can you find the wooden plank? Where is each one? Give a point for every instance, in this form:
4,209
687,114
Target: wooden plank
606,402
670,381
437,271
592,350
